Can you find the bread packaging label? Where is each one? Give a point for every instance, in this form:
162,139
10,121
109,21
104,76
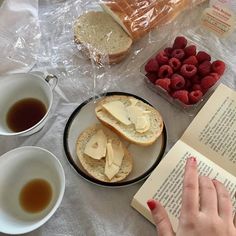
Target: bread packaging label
220,17
96,146
114,158
131,114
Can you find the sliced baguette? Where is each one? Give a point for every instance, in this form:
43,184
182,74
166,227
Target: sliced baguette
96,168
102,37
128,132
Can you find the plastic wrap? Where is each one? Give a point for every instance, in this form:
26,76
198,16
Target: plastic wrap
59,54
62,56
137,17
20,35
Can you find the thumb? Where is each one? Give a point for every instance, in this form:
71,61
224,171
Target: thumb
235,219
161,218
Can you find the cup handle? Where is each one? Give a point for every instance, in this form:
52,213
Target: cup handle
52,80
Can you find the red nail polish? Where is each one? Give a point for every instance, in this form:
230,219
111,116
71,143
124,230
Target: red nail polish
214,181
193,159
151,204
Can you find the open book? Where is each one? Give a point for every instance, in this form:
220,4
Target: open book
211,138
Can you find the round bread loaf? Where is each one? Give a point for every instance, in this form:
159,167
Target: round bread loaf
96,168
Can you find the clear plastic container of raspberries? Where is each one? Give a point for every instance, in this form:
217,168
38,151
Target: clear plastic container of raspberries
183,73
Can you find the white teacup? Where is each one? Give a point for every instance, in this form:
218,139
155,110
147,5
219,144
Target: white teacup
17,168
16,87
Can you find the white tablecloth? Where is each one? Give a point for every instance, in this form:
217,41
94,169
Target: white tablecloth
87,209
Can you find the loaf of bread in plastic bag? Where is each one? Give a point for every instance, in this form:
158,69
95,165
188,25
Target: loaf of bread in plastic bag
138,17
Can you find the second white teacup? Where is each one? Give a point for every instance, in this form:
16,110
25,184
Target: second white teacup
18,168
22,86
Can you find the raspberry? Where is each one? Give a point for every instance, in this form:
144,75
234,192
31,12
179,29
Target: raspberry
152,77
174,63
196,79
204,68
181,95
191,50
195,96
162,58
152,66
164,83
196,87
203,56
180,42
178,53
168,51
217,76
192,60
188,70
177,82
207,82
188,84
218,67
165,71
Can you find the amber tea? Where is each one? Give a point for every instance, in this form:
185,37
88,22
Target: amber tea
35,196
25,113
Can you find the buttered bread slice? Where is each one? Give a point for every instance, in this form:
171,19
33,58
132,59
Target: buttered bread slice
103,155
131,118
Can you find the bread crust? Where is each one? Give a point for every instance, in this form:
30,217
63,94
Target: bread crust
156,119
96,168
102,59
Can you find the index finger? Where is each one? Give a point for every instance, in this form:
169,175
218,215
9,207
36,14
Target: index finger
190,195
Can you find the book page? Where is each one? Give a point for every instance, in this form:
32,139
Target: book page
165,183
213,131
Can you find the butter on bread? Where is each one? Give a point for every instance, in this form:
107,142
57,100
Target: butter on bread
138,17
138,123
116,163
101,37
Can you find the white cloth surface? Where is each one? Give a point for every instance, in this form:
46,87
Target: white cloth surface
19,35
87,209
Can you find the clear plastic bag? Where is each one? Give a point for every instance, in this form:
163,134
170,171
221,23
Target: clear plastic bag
138,18
63,57
20,35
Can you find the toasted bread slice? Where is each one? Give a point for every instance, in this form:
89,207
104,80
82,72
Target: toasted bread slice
102,37
129,132
96,168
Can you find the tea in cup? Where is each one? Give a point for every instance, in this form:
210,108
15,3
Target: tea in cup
25,102
32,183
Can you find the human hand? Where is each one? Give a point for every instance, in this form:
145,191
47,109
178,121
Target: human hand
212,217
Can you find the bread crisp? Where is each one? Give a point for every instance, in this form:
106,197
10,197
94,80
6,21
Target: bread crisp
103,38
128,132
96,168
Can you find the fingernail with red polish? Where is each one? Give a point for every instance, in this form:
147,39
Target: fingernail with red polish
192,159
151,204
